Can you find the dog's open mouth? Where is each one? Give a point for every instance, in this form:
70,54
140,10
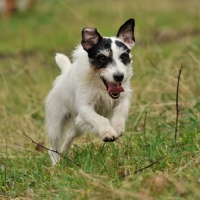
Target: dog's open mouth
114,89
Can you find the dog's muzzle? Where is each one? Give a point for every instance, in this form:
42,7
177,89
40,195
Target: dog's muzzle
114,89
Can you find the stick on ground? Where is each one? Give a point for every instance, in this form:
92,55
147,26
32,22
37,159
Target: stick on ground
51,150
177,105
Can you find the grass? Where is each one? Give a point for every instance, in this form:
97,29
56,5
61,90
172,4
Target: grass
167,35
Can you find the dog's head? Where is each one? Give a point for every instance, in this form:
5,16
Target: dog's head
110,56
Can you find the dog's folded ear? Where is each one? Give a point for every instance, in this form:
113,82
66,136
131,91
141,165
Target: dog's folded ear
90,37
126,33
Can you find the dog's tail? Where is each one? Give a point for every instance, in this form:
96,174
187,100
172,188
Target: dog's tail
63,62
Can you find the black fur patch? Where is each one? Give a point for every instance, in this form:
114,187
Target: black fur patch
98,59
125,58
122,45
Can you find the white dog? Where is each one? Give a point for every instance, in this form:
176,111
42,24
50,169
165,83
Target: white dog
91,90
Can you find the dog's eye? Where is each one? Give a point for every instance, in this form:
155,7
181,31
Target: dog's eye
103,59
124,57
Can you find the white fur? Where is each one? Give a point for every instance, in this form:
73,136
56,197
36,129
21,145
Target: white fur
79,101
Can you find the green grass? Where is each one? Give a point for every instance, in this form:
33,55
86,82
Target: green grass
167,35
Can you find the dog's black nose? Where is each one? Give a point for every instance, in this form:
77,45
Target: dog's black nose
118,77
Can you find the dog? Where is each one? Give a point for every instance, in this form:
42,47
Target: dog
93,92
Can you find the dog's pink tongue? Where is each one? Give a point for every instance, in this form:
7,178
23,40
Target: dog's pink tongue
115,88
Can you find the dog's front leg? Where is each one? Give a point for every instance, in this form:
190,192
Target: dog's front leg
100,123
119,116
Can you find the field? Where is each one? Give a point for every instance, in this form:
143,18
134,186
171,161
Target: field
146,162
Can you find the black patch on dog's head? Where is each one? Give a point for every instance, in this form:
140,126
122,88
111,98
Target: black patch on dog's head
122,45
101,53
99,49
125,58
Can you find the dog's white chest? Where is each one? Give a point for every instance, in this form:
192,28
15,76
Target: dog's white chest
105,106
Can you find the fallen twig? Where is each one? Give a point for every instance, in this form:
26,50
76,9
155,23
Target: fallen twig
177,105
38,144
153,163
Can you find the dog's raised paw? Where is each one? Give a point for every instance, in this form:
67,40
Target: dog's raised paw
120,130
119,126
109,139
108,134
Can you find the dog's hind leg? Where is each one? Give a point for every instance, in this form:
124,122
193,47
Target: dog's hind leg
55,132
55,124
72,133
